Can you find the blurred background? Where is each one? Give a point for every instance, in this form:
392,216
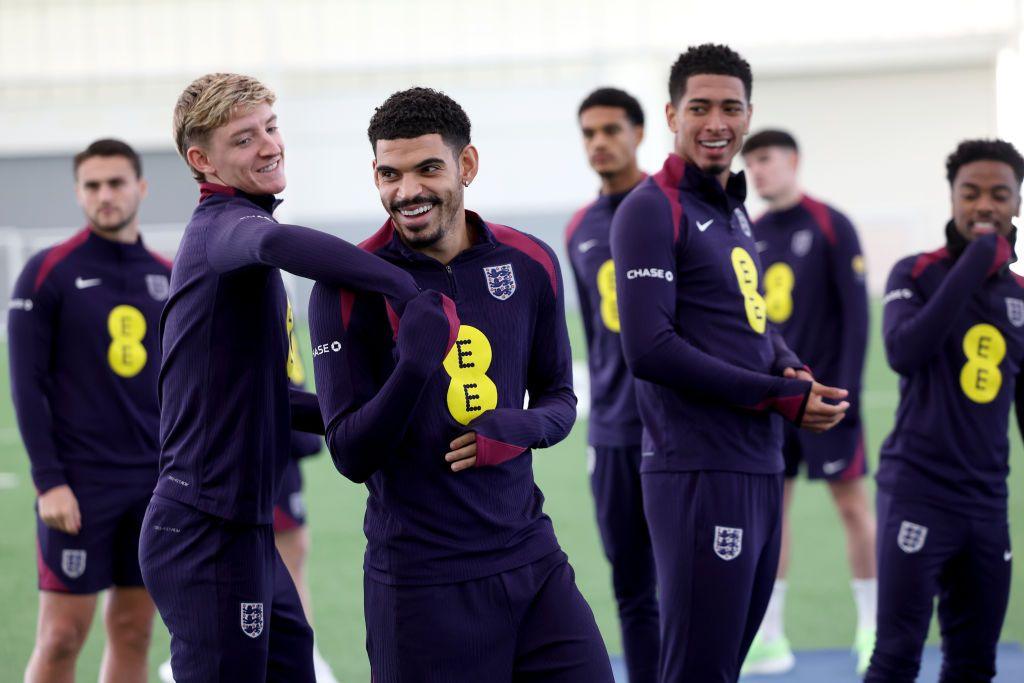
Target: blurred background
878,93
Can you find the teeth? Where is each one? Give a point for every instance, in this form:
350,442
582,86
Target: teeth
416,212
268,167
715,144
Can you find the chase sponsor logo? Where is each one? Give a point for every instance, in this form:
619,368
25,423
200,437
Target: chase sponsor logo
252,619
72,563
655,273
257,216
19,305
179,482
330,347
896,295
728,542
911,537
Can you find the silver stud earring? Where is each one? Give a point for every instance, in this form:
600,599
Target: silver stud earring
465,183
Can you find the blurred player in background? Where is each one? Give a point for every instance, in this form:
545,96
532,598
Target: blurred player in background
954,331
716,380
84,358
207,549
816,296
612,123
464,578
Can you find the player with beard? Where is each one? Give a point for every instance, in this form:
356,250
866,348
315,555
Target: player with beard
612,124
717,382
207,549
464,578
84,356
953,326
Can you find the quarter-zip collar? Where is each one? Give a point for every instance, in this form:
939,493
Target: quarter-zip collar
267,202
484,243
690,178
111,250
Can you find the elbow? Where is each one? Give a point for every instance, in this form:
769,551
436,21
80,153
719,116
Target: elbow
901,363
354,469
643,366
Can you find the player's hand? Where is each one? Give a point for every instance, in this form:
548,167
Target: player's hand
58,508
797,373
462,455
820,416
427,329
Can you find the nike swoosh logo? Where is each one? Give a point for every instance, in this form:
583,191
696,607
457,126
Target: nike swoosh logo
704,226
587,246
833,467
82,283
1007,556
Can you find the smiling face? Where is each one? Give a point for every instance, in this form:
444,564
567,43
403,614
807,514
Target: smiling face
246,153
709,121
986,197
421,183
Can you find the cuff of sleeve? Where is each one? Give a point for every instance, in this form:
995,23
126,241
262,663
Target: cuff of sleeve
491,452
48,479
790,404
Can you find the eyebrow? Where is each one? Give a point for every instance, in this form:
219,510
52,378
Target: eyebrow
704,100
426,162
252,129
972,186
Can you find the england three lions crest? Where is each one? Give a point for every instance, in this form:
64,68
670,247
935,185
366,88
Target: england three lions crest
72,563
158,286
728,542
252,619
1015,311
501,281
911,537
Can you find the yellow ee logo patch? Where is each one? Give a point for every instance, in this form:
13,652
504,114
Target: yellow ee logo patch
779,281
985,349
746,276
127,327
471,393
296,373
609,299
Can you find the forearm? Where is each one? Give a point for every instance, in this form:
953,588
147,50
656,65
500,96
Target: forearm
305,411
361,441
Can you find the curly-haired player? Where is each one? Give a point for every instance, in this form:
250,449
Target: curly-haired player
465,580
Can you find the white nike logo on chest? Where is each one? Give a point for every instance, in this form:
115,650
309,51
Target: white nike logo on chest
82,283
704,226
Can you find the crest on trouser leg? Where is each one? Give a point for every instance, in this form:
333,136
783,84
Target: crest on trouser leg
501,281
728,542
252,619
72,563
911,537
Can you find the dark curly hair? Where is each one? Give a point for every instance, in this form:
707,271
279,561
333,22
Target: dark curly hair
708,58
420,111
613,97
984,150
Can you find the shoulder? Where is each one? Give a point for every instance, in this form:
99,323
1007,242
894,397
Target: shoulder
824,217
42,265
917,265
533,250
577,219
650,203
164,262
378,240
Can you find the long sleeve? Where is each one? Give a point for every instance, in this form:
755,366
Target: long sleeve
308,253
306,419
913,329
30,324
643,241
504,433
366,400
785,357
848,275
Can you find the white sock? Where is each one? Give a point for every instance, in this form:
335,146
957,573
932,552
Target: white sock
771,626
865,596
322,668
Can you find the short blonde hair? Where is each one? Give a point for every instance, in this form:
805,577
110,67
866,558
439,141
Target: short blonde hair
208,103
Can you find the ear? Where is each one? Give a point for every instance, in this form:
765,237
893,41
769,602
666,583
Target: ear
199,160
143,188
469,164
639,135
750,112
376,178
670,116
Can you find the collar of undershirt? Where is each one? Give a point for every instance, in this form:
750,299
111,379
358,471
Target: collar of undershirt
267,202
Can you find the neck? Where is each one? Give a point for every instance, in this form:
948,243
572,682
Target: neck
454,243
128,234
623,181
785,200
